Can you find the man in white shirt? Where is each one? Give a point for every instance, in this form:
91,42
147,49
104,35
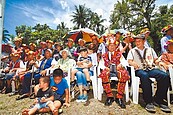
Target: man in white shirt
144,60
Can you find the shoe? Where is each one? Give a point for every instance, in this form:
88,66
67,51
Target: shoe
8,90
150,108
22,96
88,85
12,93
120,102
32,96
109,101
79,98
55,112
25,112
85,98
72,85
60,111
163,107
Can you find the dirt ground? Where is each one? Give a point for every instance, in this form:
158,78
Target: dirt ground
9,106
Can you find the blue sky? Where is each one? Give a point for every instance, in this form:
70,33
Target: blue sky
52,12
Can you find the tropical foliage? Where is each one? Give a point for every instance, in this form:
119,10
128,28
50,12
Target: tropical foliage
40,33
5,36
84,17
131,15
134,15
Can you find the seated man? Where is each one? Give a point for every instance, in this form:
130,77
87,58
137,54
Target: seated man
144,61
10,71
112,63
42,69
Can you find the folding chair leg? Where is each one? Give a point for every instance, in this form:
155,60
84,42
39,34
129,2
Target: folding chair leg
100,89
168,97
13,85
135,90
153,92
127,91
94,84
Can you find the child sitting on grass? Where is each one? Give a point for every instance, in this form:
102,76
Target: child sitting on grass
44,98
60,87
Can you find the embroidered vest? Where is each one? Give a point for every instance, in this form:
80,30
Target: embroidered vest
145,62
115,59
45,64
14,64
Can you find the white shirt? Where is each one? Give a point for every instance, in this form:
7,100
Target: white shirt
130,55
109,54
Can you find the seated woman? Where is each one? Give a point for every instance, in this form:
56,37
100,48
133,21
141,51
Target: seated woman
167,57
82,72
65,62
126,45
46,64
56,52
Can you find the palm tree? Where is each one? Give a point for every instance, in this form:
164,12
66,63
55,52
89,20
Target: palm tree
120,18
98,27
62,29
20,29
40,27
6,36
80,16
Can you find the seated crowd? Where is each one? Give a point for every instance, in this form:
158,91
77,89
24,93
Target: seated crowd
48,66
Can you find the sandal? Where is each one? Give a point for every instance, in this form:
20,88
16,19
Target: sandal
32,96
3,90
55,112
25,112
44,110
22,96
60,111
13,93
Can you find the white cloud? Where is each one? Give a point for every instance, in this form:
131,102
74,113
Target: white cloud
164,2
57,21
64,5
102,7
99,11
61,11
53,16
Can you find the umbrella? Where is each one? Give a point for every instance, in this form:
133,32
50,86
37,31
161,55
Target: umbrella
82,33
7,48
114,31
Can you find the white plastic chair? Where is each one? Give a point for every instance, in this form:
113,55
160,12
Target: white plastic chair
100,87
135,87
94,83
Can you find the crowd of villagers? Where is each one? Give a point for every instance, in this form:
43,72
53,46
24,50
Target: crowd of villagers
47,65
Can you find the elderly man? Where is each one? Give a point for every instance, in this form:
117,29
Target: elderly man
10,71
46,64
70,47
144,60
146,32
49,44
17,42
113,66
